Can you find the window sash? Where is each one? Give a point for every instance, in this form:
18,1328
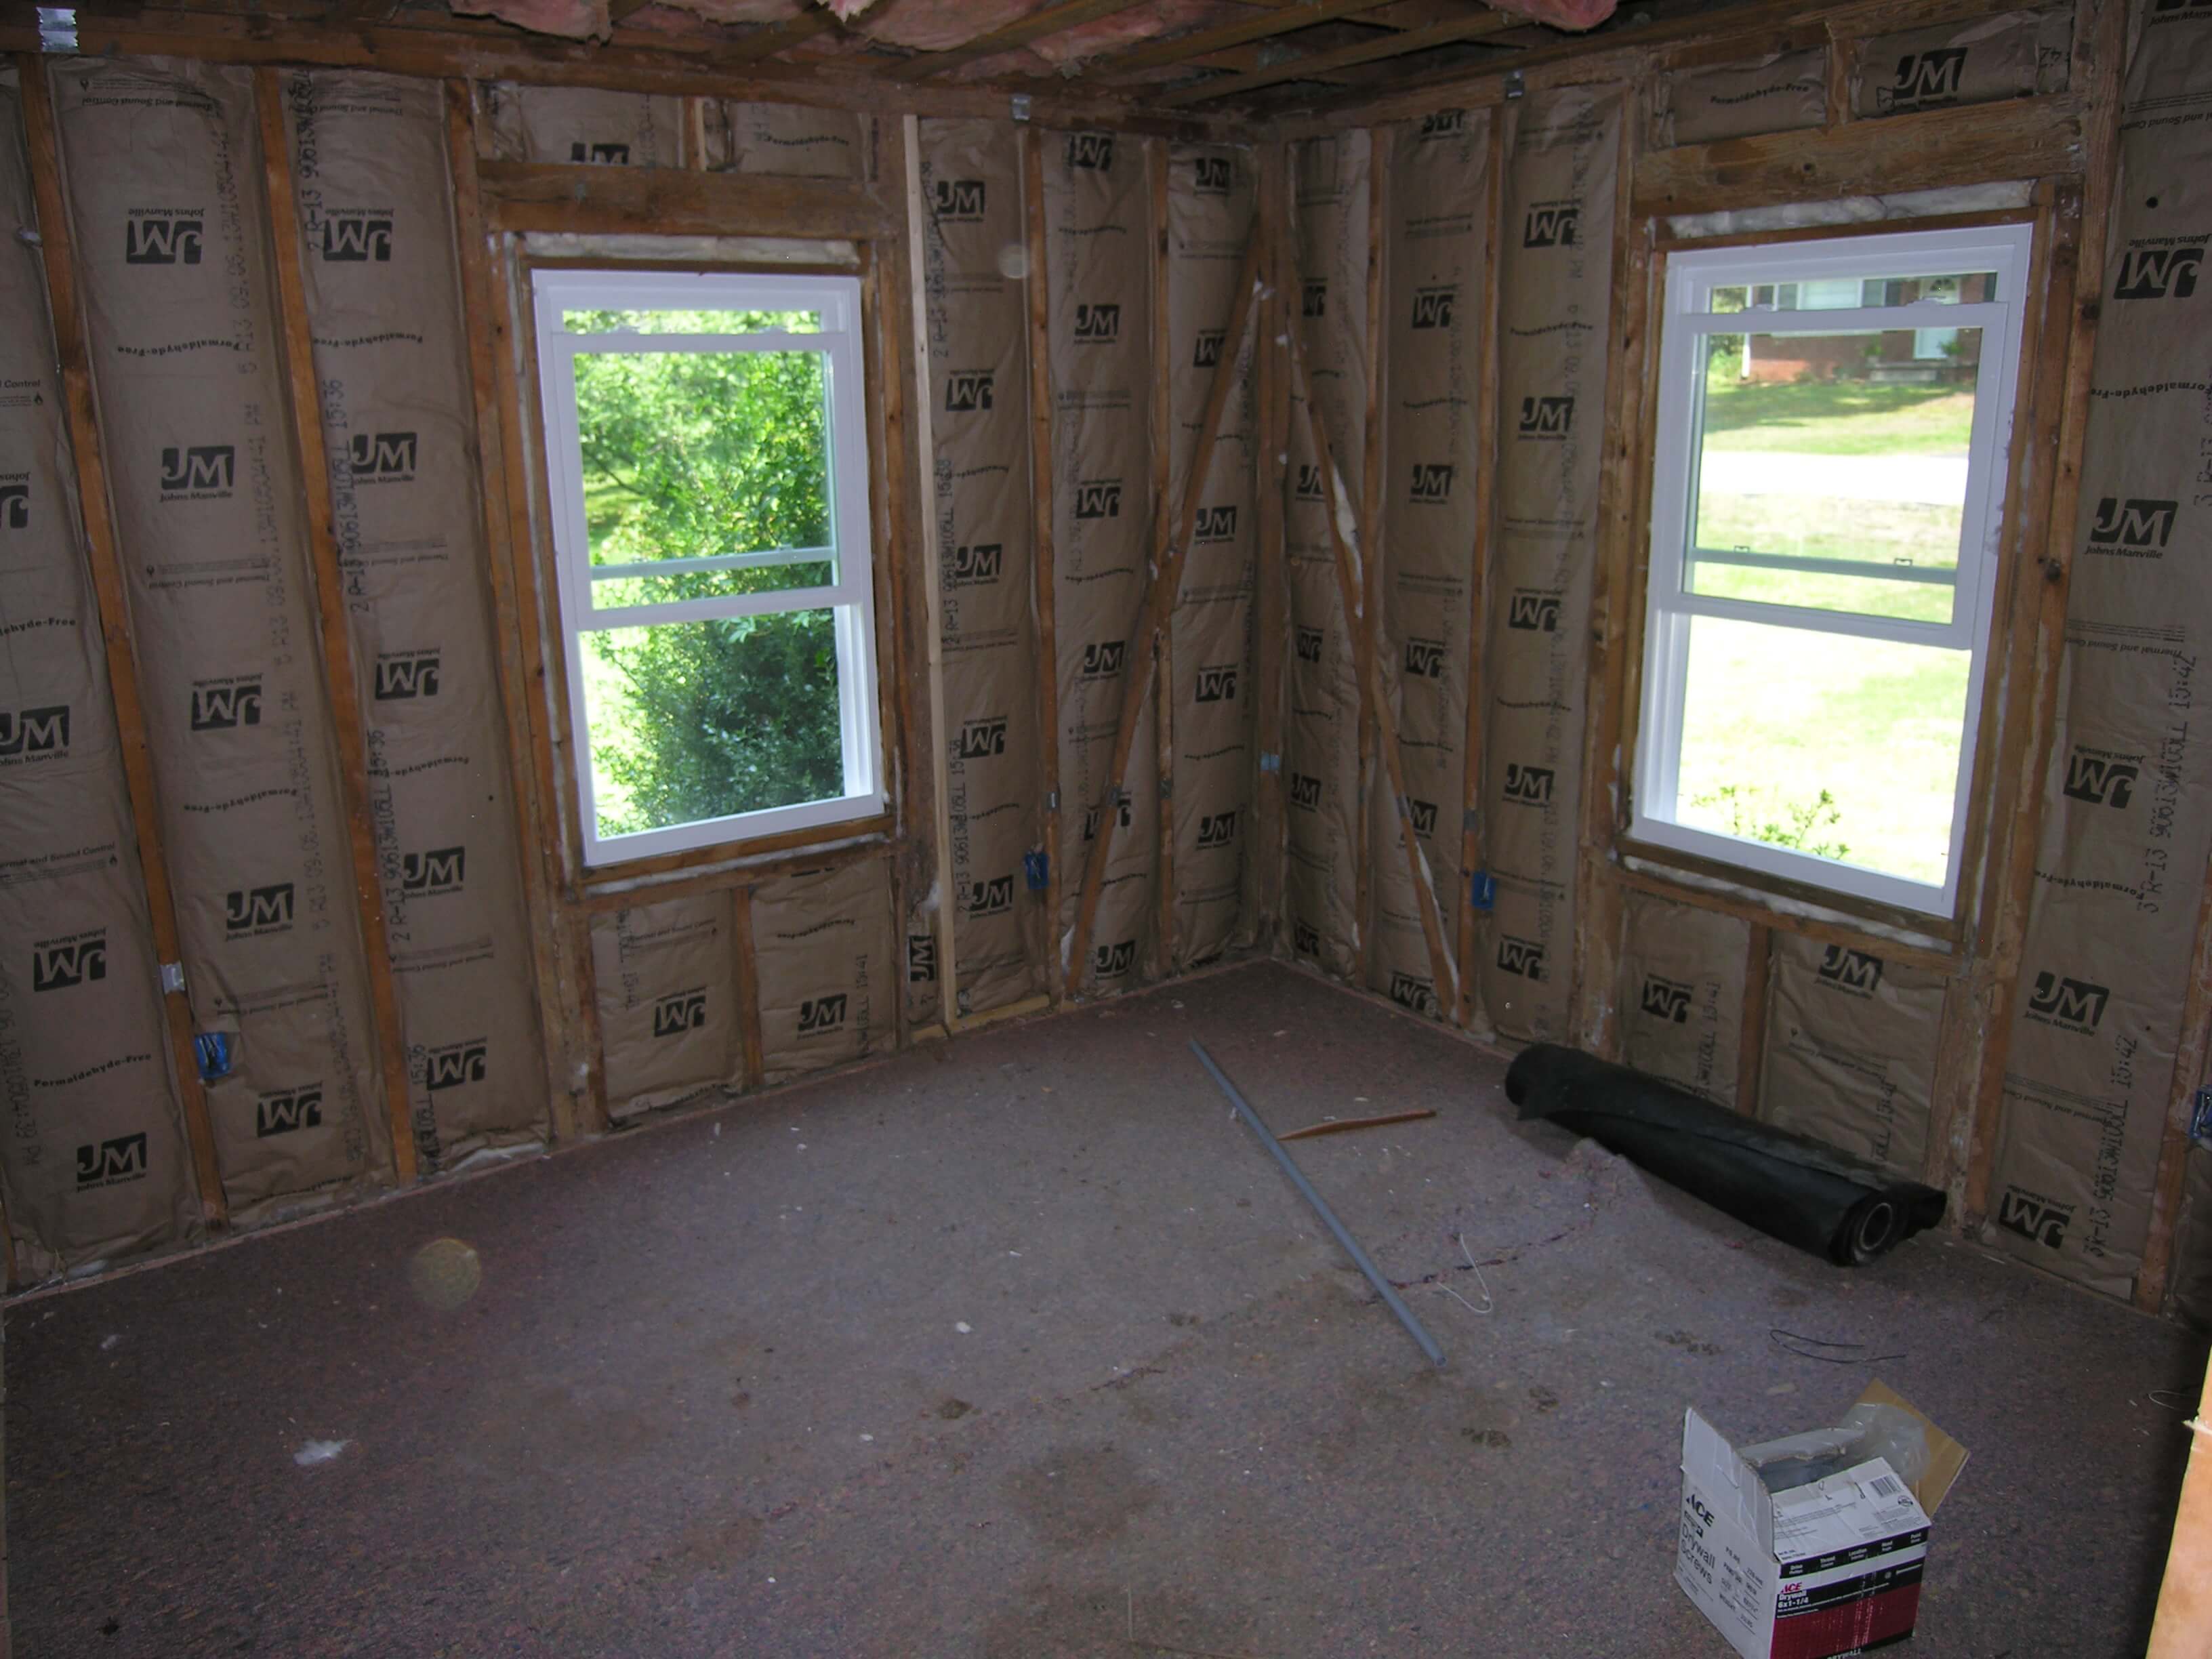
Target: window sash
564,457
1680,452
1670,606
1925,573
834,300
849,598
1862,320
712,609
769,560
1899,255
623,342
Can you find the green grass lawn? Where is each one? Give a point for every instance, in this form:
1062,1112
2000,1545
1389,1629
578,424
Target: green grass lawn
1837,417
1919,533
1776,715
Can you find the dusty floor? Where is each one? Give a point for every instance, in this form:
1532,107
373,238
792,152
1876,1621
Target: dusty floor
999,1349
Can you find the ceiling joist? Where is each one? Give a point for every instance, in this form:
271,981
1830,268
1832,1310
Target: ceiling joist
1427,89
1325,61
1052,20
1184,47
1235,60
767,41
1295,69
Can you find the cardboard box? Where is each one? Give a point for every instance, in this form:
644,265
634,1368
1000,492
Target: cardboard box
1828,1568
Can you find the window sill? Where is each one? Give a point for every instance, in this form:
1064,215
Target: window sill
877,827
1789,906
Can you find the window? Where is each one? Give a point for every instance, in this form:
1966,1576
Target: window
708,467
1824,515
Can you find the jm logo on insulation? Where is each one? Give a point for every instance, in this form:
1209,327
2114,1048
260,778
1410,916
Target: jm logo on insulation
357,238
58,964
226,705
1666,999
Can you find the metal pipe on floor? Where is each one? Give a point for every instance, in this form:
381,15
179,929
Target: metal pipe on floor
1383,1286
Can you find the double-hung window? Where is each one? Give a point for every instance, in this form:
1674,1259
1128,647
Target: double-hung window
1829,477
707,463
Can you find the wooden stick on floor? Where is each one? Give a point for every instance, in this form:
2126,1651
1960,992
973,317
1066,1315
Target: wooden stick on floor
1344,1125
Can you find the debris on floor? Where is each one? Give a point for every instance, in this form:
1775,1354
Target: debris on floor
1337,1126
1383,1286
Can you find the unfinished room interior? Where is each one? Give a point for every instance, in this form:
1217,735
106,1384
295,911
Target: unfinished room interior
1036,828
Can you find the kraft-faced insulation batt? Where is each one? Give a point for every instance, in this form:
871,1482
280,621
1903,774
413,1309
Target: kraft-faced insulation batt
976,318
1850,1050
1681,994
666,978
1555,280
583,126
163,168
790,141
2127,816
1212,196
1098,275
93,1160
822,959
1320,755
1974,60
1437,214
1784,92
391,348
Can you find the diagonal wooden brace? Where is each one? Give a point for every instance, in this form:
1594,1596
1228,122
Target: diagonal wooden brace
1374,673
1157,606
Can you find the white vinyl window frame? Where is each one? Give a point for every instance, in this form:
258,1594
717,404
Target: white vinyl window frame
850,596
1689,321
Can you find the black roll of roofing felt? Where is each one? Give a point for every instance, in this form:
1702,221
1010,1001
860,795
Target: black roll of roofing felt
1798,1189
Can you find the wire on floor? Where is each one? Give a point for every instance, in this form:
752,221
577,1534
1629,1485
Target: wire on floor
1489,1301
1838,1356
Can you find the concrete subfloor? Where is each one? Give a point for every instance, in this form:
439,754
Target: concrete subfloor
1006,1348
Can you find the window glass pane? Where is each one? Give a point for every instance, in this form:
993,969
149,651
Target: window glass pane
1844,748
1831,294
705,454
691,322
1851,293
693,721
1845,447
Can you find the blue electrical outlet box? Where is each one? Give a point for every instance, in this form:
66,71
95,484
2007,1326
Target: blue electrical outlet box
1037,866
213,1048
1482,890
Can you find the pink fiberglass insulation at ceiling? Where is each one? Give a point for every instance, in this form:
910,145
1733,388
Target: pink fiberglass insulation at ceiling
943,25
1576,15
579,20
920,25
